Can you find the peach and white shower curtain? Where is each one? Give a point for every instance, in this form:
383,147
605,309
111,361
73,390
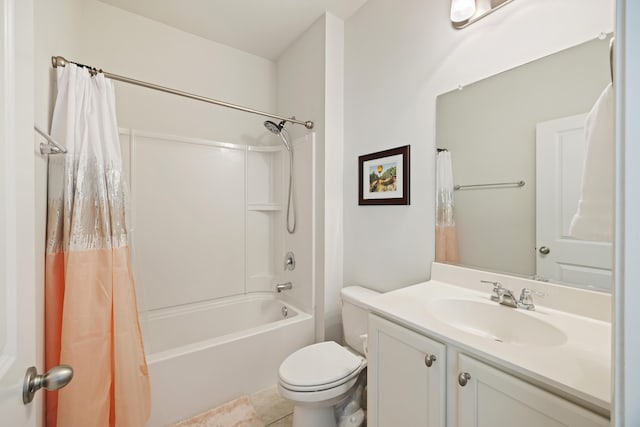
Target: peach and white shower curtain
90,304
446,235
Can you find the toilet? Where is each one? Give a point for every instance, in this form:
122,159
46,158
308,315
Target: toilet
322,377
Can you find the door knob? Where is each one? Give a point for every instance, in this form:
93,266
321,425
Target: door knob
544,250
54,379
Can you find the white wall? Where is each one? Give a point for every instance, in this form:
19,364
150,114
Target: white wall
310,84
399,56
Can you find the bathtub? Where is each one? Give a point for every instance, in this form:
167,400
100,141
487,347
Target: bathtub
202,355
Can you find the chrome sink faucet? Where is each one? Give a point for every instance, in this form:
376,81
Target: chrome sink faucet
506,297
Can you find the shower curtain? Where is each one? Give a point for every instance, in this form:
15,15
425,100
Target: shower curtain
90,304
446,239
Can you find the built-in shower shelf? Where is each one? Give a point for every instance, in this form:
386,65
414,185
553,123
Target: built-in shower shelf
265,148
264,207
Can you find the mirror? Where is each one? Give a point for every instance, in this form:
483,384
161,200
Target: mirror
526,124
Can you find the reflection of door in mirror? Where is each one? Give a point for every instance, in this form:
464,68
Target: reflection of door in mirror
489,127
560,152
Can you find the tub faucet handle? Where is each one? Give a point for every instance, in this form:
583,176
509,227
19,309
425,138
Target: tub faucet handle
289,261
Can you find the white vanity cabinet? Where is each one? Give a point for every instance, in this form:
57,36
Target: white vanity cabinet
404,391
492,398
406,377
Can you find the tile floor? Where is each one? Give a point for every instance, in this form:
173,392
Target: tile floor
237,412
273,410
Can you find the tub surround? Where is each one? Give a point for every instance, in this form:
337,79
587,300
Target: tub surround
575,366
206,318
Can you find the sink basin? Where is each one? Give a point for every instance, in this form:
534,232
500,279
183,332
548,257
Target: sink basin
496,322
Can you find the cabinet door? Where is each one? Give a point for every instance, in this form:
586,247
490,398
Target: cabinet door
402,389
492,398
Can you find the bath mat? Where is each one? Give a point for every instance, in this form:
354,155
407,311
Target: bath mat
237,413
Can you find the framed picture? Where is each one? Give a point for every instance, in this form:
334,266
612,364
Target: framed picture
384,177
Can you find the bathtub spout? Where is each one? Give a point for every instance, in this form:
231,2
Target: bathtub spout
284,286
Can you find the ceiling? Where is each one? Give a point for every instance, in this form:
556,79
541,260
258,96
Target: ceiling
262,27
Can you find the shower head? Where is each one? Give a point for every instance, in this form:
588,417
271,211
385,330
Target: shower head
277,129
274,128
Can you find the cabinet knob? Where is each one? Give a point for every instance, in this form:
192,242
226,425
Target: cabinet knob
463,378
429,359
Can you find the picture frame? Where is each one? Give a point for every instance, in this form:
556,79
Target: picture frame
384,177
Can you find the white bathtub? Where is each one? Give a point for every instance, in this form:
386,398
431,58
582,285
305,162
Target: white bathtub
203,355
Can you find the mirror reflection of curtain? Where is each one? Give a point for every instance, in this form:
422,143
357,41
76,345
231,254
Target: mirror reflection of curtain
91,318
446,236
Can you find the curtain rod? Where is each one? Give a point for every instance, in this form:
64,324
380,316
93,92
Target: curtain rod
59,61
52,146
491,185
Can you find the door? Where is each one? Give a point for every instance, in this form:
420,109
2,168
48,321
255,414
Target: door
560,147
492,398
406,377
17,235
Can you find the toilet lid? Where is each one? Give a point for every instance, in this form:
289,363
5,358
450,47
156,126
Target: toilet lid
318,364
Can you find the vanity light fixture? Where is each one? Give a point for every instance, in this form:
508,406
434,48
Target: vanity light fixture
466,12
462,10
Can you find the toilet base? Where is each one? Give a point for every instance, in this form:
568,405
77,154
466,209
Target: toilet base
304,416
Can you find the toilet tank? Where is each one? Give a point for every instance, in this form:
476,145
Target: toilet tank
354,315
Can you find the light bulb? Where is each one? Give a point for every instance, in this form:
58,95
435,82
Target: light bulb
462,10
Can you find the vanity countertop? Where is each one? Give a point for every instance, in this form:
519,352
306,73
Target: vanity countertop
577,366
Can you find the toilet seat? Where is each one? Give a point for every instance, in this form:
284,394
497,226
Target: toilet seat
319,367
319,398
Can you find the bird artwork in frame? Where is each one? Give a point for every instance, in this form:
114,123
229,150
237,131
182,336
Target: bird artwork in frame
384,177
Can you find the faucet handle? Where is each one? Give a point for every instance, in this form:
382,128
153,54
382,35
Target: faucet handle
289,261
497,291
526,301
